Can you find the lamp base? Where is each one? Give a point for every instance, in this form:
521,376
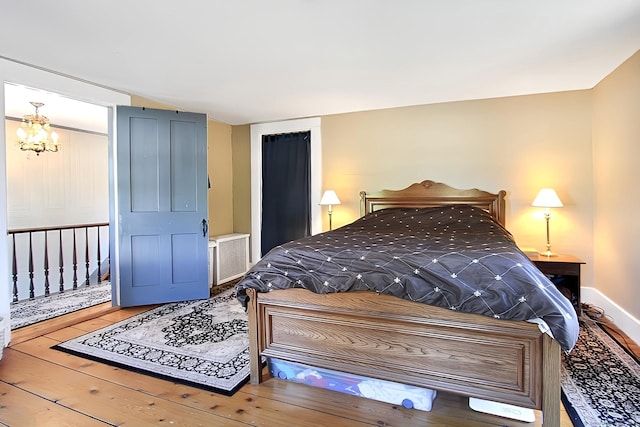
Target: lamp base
548,253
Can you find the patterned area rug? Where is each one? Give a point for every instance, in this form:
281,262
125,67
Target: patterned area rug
600,381
202,343
28,312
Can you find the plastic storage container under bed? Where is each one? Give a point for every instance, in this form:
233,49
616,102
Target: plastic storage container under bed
384,391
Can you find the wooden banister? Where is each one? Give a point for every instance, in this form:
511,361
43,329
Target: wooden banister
43,288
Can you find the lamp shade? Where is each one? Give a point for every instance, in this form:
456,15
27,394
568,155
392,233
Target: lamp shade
329,198
547,198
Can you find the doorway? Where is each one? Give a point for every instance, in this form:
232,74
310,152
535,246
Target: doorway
290,126
286,179
51,197
23,74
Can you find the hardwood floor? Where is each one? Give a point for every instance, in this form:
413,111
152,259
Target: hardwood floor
40,386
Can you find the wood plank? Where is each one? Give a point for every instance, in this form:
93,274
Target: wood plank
60,335
20,408
448,409
101,399
241,406
127,312
92,324
60,322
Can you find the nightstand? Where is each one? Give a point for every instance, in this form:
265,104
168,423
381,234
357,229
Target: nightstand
564,271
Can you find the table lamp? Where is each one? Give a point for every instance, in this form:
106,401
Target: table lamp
547,198
329,198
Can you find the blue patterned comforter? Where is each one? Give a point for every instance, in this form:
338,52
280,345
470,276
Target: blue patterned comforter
454,257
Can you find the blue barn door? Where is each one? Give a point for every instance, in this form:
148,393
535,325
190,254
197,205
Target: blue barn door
161,209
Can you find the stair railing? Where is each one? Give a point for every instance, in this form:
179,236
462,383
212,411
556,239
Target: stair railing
30,247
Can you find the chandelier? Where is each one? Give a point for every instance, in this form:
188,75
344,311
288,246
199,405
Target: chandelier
34,134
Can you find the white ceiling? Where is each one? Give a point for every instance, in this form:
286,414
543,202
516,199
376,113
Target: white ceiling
60,110
249,61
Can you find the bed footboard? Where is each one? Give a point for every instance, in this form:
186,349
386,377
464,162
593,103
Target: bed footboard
388,338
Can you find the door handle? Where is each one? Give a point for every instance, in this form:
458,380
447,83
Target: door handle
205,227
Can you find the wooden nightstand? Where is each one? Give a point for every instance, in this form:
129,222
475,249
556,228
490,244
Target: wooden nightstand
565,271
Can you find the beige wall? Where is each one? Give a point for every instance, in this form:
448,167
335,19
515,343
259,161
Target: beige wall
616,142
241,140
219,167
518,144
221,178
137,101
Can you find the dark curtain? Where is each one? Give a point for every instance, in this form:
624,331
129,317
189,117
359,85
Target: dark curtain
286,188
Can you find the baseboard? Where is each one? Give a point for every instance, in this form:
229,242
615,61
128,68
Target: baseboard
625,321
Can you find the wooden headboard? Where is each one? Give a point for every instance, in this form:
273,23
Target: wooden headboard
427,194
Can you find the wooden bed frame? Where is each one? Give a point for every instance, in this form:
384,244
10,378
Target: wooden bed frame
388,338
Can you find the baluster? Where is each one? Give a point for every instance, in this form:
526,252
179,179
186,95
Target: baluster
46,264
75,261
61,264
14,271
86,255
32,294
99,274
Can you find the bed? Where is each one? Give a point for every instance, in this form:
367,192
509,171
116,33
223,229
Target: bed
377,334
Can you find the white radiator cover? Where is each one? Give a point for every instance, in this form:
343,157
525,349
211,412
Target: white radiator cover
228,257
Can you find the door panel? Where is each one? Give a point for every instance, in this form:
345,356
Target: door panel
145,260
183,251
184,177
144,154
162,202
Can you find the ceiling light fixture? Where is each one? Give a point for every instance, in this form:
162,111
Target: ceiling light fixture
35,134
